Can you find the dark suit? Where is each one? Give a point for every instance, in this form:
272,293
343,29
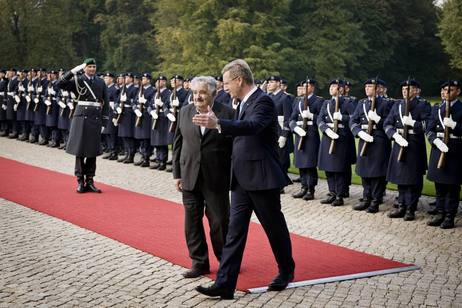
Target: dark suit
202,162
256,179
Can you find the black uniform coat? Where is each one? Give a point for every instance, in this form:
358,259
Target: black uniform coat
22,105
39,99
307,156
126,126
375,162
52,117
451,172
113,94
63,120
410,170
161,135
85,132
31,94
223,98
3,98
144,130
209,154
283,104
12,91
344,155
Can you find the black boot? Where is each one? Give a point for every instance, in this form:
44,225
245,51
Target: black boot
448,222
337,202
129,160
436,220
309,195
162,166
91,186
80,185
145,163
113,156
303,190
106,156
330,198
374,207
398,213
364,204
410,215
123,158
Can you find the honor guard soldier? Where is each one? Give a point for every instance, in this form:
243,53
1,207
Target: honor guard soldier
125,120
12,100
337,150
161,118
89,117
30,94
353,100
374,146
21,105
3,103
40,107
110,132
408,160
52,111
222,97
65,103
176,82
444,132
283,105
303,123
143,123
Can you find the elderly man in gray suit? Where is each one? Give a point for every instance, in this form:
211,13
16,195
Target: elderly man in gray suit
201,171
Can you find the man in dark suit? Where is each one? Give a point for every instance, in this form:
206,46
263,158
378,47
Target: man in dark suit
201,164
256,179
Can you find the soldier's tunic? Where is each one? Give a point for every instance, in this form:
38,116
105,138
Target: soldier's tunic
52,111
336,165
372,167
89,117
30,94
408,173
12,90
223,98
126,128
111,131
306,158
64,122
283,105
23,127
448,178
40,109
143,131
3,103
160,135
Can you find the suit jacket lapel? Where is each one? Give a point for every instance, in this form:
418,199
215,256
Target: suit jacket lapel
250,101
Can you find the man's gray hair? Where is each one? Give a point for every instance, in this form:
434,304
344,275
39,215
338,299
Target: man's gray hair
239,68
208,80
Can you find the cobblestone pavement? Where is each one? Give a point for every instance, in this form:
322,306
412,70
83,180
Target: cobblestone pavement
47,262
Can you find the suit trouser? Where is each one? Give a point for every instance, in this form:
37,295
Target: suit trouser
85,166
373,188
337,182
309,177
447,198
409,195
216,206
267,207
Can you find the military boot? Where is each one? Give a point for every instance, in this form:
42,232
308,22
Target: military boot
90,186
309,195
398,213
80,185
330,198
448,222
122,159
364,204
436,220
374,207
303,190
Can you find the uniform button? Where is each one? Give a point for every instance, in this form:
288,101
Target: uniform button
86,107
85,117
97,118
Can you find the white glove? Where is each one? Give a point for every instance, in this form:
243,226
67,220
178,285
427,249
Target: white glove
281,121
306,114
114,121
123,98
65,93
39,89
17,99
119,110
171,117
30,88
337,116
78,68
300,131
441,145
36,100
71,106
374,116
138,113
62,105
331,134
158,102
407,120
282,141
51,91
365,136
4,107
449,122
102,128
112,105
141,100
73,95
154,115
400,140
15,107
28,99
47,102
21,88
176,102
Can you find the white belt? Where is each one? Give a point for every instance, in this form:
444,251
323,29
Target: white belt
10,93
366,126
452,136
300,123
409,131
331,125
85,103
127,105
2,93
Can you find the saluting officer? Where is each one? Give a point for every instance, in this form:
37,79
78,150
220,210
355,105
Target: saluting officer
303,123
110,132
336,163
407,172
446,176
374,146
89,117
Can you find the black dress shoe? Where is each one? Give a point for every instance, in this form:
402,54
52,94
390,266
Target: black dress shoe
436,221
337,202
90,187
409,216
195,272
145,163
302,192
433,211
329,199
364,204
397,213
81,186
113,156
215,291
129,160
309,196
280,282
162,167
373,208
448,223
156,165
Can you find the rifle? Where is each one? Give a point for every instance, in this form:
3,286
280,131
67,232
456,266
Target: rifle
156,97
447,114
30,93
73,100
335,128
405,127
122,106
175,108
140,95
61,109
305,120
39,85
370,123
50,85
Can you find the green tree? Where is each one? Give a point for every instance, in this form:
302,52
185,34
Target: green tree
450,31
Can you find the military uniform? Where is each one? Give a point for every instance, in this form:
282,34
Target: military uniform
3,102
30,94
12,90
21,105
52,110
110,132
448,177
40,108
408,173
66,107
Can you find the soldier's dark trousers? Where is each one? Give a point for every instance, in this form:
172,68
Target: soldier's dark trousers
309,177
337,182
284,158
373,188
348,175
85,166
162,153
55,135
24,128
129,145
145,147
64,134
447,198
409,195
12,126
35,131
111,141
3,126
44,132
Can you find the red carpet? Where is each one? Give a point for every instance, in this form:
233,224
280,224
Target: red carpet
155,226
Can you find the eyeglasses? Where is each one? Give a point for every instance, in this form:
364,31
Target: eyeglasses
227,83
